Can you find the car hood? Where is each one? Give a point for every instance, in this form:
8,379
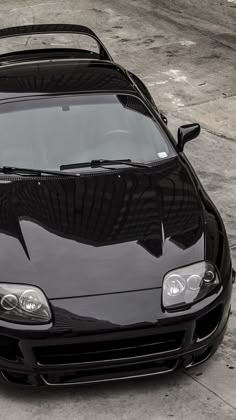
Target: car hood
97,234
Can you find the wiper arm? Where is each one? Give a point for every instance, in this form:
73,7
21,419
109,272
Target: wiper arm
8,170
100,162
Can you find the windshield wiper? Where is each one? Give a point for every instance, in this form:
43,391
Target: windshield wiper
8,170
101,162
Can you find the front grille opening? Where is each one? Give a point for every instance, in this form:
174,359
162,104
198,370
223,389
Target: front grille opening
201,357
99,351
111,373
207,324
16,378
9,348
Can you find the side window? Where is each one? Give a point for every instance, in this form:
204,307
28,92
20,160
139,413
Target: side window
143,88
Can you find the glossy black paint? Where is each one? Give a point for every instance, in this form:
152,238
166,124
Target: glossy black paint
187,133
61,77
99,246
126,223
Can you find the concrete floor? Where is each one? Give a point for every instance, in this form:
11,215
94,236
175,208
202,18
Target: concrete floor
185,52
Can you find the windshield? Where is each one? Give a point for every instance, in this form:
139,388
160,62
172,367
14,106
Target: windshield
47,133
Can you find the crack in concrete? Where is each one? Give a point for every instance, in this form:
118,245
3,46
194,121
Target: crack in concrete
222,136
180,21
210,390
34,5
218,98
219,41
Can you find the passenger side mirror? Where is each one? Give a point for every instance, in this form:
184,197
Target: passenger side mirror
186,133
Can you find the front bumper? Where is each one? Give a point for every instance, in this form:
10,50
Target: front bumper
66,356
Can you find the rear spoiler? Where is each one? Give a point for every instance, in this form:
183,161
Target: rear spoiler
56,28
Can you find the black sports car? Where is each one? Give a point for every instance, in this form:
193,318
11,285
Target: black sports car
114,261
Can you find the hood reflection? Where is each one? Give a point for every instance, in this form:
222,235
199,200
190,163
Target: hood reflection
106,209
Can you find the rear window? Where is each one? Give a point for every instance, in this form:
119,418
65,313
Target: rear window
47,133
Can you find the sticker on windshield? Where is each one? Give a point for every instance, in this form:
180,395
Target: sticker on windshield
162,155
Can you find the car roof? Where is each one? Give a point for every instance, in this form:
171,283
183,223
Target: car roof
62,76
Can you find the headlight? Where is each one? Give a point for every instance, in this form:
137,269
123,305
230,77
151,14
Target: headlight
185,286
23,304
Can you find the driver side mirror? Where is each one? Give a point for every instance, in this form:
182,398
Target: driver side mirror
186,133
